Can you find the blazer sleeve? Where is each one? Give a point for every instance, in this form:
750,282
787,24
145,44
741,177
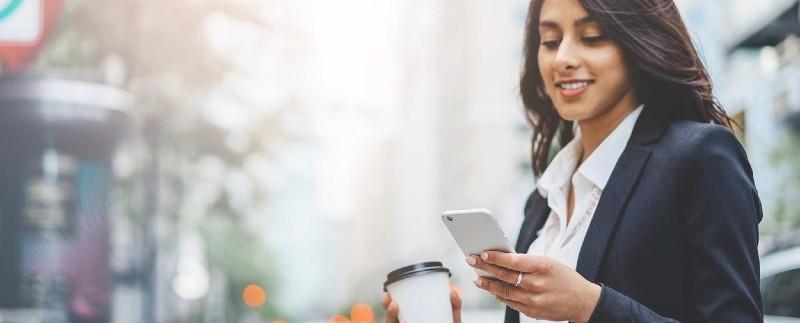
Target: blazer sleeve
721,212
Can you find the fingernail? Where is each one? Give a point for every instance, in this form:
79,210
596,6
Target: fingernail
471,260
477,281
484,256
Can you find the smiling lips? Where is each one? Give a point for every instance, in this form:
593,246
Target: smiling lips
573,88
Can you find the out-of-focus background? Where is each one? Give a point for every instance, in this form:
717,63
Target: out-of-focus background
273,160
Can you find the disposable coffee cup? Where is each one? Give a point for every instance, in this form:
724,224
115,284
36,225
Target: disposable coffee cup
422,291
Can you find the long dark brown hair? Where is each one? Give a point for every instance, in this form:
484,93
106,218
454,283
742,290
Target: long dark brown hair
667,70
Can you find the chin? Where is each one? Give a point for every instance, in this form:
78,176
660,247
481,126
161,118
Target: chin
574,111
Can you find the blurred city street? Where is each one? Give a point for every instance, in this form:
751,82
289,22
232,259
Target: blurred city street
273,160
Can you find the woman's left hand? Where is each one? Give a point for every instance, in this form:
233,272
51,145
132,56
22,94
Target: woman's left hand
549,289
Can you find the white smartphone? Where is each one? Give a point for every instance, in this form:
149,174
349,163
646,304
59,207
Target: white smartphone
476,231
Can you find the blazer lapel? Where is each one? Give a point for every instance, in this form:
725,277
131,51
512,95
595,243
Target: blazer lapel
536,212
606,215
616,193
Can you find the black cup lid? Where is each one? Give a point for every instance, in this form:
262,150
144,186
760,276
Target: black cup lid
414,270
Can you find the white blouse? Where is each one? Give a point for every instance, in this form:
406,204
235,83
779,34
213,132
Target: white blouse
561,239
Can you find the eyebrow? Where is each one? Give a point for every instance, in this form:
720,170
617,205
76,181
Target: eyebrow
578,22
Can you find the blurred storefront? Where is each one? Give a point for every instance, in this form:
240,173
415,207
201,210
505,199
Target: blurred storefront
57,138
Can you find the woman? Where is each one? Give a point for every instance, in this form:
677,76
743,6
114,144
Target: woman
649,212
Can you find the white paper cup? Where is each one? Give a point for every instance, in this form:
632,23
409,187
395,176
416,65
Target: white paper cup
422,292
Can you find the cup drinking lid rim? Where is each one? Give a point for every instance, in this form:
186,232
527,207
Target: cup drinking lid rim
414,270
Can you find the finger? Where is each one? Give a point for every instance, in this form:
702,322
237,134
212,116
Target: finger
386,301
502,273
518,262
389,316
455,301
391,312
517,306
455,297
502,289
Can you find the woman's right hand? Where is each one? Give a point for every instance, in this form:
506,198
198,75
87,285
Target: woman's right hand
391,309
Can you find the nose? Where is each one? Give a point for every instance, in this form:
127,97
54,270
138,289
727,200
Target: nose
567,57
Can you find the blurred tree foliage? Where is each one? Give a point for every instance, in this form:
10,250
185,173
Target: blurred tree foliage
786,159
161,53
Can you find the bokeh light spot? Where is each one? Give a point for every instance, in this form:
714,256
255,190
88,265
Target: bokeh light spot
338,318
254,296
362,313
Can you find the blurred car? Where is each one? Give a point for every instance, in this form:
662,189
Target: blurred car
780,285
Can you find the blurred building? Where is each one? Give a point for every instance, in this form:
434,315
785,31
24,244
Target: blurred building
415,110
761,83
751,50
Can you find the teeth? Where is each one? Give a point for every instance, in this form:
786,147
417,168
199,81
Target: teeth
573,85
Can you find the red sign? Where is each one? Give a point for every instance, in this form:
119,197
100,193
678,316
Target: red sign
15,54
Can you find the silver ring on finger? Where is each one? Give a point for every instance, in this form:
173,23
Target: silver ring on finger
519,280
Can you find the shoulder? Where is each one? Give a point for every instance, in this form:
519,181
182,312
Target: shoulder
698,137
693,132
702,145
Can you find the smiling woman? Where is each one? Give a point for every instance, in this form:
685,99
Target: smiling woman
648,211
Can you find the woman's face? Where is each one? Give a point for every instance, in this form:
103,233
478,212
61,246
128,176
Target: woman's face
584,72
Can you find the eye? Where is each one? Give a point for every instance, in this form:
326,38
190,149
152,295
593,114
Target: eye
593,40
551,44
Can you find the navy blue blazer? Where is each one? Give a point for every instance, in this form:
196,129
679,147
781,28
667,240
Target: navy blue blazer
674,235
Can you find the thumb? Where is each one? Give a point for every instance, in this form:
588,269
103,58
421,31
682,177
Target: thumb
455,296
455,301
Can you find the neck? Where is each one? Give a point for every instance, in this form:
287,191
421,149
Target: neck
595,130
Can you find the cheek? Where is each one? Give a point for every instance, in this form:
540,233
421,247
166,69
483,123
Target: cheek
546,72
610,63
